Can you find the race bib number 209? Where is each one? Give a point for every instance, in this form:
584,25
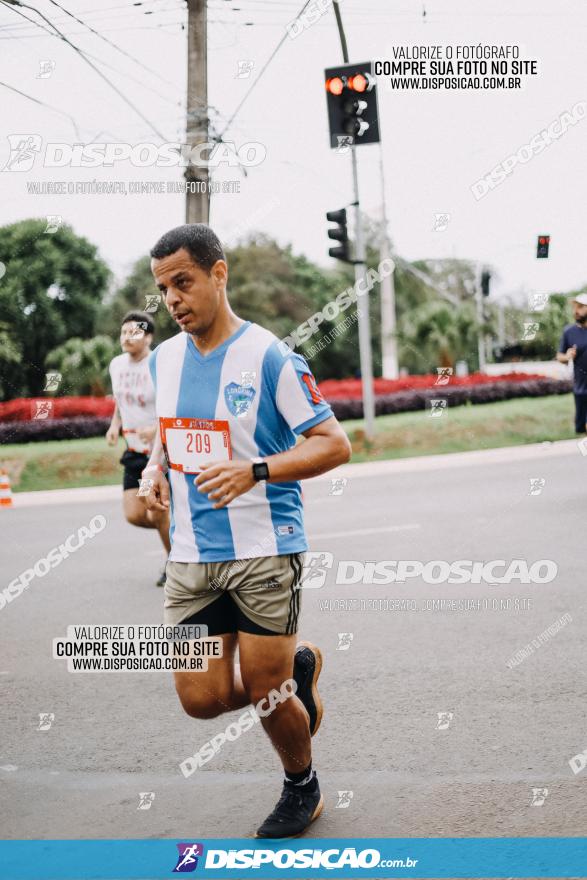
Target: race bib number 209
189,443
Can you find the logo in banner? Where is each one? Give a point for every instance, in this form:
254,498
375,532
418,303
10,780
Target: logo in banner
187,860
238,398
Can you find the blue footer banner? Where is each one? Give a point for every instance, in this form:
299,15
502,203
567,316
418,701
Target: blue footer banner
413,857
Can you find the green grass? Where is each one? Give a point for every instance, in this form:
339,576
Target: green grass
62,464
66,463
462,428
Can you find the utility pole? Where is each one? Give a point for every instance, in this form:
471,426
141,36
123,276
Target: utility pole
365,356
480,325
501,325
389,362
197,204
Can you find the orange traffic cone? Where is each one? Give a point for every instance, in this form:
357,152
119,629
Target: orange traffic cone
5,490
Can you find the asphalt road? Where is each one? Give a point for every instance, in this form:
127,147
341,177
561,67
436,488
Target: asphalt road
512,730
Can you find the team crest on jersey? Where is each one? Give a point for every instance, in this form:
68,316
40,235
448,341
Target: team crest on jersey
238,398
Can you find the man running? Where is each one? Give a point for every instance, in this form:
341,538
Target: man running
573,349
230,405
134,412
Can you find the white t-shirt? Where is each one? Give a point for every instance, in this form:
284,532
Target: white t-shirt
133,390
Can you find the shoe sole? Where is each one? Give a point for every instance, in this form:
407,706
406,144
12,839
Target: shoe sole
315,695
315,814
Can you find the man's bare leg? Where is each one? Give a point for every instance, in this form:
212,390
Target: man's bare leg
218,690
266,662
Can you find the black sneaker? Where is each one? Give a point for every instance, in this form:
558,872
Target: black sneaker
295,810
307,668
161,579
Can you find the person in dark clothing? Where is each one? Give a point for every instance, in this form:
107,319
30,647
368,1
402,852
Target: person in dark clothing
573,349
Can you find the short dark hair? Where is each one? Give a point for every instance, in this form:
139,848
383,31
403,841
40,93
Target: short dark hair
140,318
201,242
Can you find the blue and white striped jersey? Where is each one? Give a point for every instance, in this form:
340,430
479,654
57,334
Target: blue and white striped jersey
266,398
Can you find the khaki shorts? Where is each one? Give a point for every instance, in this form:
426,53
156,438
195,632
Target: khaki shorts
258,595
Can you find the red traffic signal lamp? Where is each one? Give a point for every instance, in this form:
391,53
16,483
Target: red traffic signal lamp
351,98
542,246
361,82
335,85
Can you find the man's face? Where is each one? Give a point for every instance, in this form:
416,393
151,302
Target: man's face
192,296
134,339
579,313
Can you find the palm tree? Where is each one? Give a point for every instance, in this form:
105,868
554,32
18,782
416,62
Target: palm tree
439,334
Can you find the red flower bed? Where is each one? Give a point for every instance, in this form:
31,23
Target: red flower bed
23,409
350,389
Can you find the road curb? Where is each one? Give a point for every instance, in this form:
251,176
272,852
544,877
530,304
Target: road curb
501,455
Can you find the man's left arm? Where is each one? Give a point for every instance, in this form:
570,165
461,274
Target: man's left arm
326,446
298,400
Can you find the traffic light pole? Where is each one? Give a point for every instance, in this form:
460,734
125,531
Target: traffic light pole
389,361
480,325
361,281
197,204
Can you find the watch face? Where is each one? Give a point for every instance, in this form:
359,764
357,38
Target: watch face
260,470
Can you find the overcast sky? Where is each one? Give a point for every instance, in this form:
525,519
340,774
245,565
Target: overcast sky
436,144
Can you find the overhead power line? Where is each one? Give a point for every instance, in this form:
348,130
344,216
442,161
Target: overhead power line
43,104
101,61
13,3
261,72
110,43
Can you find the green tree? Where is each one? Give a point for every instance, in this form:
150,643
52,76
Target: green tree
83,363
432,330
133,294
51,291
10,351
437,335
551,322
280,290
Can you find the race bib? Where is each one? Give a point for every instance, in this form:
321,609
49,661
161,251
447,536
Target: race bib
189,443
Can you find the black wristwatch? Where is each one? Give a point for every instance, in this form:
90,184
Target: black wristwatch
260,470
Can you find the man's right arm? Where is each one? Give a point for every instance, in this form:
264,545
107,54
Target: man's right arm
113,431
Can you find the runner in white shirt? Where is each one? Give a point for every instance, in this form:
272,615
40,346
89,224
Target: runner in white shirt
231,402
134,413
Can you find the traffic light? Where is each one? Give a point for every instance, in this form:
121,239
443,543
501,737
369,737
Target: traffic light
542,248
351,98
339,233
485,279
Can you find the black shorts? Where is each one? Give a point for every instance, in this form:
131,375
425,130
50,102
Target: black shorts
224,616
134,463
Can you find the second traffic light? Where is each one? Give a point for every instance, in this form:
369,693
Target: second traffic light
485,279
339,233
351,97
542,247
